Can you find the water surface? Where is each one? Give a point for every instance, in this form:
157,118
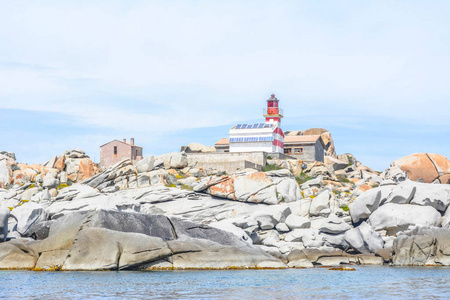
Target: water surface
364,283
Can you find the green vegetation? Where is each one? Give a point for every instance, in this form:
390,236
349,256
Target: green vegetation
31,186
271,167
344,208
186,187
342,179
350,162
61,186
302,178
69,182
269,157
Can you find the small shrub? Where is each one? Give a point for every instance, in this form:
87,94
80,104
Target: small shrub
271,167
350,162
269,157
69,182
342,179
345,208
186,187
61,186
302,178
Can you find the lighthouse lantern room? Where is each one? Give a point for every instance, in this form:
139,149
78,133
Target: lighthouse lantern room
267,137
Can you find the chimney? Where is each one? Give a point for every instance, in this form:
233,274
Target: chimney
132,141
124,140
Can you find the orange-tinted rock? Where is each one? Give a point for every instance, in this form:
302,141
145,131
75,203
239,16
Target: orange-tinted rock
354,180
60,163
224,189
172,171
441,163
445,179
427,166
87,169
24,176
365,188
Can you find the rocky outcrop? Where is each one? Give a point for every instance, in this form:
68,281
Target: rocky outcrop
398,217
4,215
422,246
426,167
174,160
257,187
106,240
198,148
6,173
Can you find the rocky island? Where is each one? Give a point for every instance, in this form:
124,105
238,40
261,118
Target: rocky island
168,213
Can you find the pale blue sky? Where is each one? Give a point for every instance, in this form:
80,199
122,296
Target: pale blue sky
81,73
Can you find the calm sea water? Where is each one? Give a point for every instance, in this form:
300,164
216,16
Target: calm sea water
364,283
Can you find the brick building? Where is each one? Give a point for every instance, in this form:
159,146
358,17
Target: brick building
115,151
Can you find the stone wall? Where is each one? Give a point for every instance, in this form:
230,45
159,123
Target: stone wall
235,160
230,167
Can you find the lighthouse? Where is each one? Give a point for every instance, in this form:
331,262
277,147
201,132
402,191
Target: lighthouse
273,113
267,137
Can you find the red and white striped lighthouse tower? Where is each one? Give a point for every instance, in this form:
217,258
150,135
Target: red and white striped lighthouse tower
273,113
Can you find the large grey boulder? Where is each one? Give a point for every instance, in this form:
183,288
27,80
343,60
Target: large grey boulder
15,254
4,215
364,205
398,217
191,253
50,181
288,190
118,250
434,195
146,165
364,239
422,246
76,191
334,225
227,225
320,203
110,240
316,182
401,194
297,222
174,160
27,215
256,188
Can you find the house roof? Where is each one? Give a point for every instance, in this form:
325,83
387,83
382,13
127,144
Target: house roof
303,139
120,142
224,141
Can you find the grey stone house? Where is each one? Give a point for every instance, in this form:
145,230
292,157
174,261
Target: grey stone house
305,147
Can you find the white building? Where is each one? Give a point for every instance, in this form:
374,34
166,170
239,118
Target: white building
267,137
